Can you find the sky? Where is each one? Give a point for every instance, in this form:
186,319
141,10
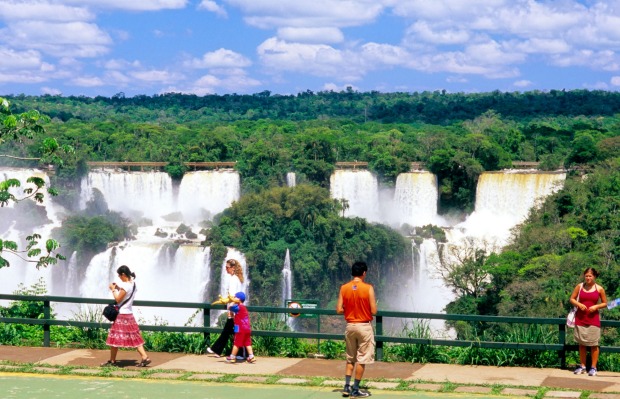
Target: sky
147,47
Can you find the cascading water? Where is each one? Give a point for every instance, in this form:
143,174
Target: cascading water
164,272
205,193
31,218
291,179
172,268
145,194
287,288
360,189
415,199
504,199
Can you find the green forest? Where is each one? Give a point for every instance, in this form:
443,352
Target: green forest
457,136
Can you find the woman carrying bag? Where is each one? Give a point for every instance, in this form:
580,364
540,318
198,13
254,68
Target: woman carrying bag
125,332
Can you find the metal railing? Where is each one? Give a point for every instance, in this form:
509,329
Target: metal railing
561,347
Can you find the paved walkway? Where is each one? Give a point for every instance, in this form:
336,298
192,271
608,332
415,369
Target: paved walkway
517,381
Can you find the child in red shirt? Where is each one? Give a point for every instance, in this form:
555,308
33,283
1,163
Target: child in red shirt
243,330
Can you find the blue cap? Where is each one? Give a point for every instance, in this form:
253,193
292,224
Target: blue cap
240,296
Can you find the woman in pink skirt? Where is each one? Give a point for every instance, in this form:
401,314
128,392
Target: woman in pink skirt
125,332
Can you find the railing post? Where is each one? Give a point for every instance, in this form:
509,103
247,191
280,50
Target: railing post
562,341
379,327
46,327
206,322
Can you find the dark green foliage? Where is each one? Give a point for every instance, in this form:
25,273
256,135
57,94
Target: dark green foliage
323,245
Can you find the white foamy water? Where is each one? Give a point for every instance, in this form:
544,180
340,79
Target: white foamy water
361,189
205,193
164,272
416,198
147,194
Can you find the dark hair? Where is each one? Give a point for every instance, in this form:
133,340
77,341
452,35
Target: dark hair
125,270
358,269
592,270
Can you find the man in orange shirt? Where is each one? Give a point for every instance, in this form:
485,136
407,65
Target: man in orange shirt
358,304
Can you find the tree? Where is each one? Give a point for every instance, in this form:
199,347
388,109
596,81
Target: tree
18,128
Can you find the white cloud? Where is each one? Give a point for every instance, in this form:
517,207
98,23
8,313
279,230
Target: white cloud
156,76
78,39
523,83
213,7
87,81
13,11
118,64
268,14
51,91
218,59
615,80
12,59
338,88
134,5
423,31
311,35
314,59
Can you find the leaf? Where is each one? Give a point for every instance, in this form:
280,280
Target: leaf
5,185
37,181
34,252
51,245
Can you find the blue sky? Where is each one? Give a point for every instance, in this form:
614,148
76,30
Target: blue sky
103,47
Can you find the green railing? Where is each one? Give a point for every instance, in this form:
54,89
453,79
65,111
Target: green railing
561,347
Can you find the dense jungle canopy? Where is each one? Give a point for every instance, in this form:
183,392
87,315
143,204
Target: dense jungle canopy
457,136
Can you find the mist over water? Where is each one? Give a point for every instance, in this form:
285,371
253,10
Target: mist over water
503,200
174,268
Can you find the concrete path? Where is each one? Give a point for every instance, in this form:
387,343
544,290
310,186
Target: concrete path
518,381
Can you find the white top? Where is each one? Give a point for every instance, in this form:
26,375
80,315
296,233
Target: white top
128,286
234,285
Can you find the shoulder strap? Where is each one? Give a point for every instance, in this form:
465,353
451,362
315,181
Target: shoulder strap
130,296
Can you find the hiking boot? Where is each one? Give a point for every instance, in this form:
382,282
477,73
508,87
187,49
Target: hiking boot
592,372
580,370
356,393
346,391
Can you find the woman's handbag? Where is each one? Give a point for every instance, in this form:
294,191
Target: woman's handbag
570,319
110,312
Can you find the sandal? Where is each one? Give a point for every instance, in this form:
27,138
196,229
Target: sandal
144,362
109,363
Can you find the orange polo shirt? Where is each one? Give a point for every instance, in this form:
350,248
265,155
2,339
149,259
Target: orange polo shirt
356,302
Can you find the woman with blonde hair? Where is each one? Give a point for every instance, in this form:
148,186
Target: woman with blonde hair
233,285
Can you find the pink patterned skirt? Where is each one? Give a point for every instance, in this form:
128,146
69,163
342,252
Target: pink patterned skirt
125,332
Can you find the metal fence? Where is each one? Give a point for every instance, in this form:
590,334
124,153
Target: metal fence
561,347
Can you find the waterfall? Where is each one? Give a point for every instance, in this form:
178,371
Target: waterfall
361,189
164,272
504,199
135,194
287,288
291,179
205,193
415,199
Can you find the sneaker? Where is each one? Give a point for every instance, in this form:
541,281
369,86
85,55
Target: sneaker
209,350
580,370
231,359
356,393
346,391
240,358
252,359
592,372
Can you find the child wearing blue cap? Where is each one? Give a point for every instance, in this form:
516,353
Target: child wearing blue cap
243,330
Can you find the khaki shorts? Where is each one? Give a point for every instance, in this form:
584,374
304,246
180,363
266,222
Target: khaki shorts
360,341
587,336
